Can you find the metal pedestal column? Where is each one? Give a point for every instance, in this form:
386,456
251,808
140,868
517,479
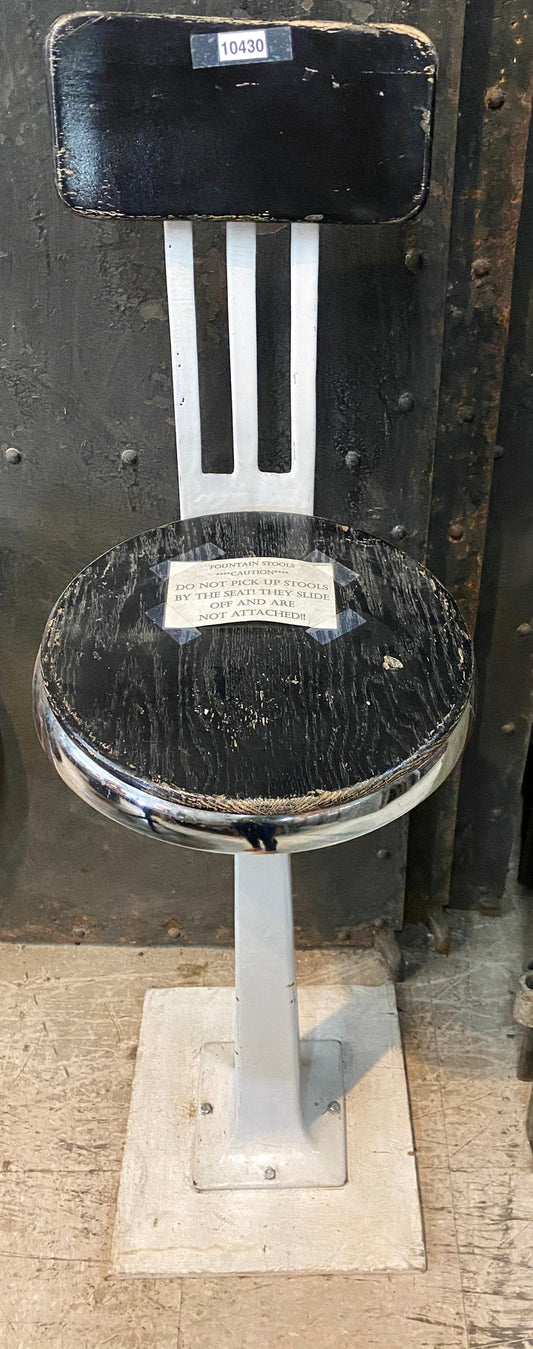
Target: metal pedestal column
246,1152
271,1107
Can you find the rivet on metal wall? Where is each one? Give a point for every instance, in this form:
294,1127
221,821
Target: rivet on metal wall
12,455
480,267
398,532
465,413
406,401
129,456
456,532
494,98
413,259
352,459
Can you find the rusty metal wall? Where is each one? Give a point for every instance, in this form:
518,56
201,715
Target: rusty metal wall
489,804
495,111
86,402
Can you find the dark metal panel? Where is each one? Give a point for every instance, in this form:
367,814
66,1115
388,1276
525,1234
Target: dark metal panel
493,127
86,399
489,800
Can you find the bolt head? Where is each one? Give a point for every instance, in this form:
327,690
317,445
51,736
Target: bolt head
499,451
129,456
270,1173
524,629
398,532
465,413
406,401
480,267
352,459
206,1108
12,456
508,728
413,259
456,532
334,1108
383,854
494,98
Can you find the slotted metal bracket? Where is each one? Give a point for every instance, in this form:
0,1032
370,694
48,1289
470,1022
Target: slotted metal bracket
246,488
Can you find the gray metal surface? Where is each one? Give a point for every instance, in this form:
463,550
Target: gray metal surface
86,400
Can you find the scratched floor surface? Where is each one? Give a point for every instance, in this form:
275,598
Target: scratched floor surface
69,1020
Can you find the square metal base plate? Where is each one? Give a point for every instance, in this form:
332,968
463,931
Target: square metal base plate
166,1226
316,1158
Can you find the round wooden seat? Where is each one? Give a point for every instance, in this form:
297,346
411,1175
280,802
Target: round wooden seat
255,734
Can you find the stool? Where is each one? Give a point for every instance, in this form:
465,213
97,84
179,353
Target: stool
253,679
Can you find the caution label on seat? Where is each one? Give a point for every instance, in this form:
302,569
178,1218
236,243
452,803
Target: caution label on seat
250,590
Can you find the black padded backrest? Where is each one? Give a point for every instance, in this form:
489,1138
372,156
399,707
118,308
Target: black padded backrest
181,117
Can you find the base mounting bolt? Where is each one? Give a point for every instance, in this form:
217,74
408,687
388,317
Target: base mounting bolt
206,1108
334,1108
129,456
270,1173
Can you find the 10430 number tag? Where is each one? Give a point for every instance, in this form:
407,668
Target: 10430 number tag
237,46
243,46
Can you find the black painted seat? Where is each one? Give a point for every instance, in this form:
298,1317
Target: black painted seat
267,726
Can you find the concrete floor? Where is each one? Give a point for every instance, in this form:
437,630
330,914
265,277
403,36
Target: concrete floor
69,1020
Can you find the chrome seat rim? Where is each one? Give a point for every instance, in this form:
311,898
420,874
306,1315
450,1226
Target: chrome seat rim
131,804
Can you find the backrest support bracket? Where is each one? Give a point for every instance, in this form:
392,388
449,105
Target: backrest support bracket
247,488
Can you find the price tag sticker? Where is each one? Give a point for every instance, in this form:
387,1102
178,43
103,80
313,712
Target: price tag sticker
239,46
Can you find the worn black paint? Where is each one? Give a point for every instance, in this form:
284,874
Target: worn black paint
139,132
258,713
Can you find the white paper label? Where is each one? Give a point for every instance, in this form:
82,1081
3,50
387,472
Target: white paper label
243,45
250,590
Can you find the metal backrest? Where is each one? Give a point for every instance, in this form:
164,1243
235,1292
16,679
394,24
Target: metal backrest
179,117
160,116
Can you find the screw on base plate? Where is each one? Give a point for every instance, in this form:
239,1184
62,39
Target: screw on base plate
270,1173
206,1108
334,1108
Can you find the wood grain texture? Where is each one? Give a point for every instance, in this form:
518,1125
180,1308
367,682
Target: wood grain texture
69,1024
258,715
